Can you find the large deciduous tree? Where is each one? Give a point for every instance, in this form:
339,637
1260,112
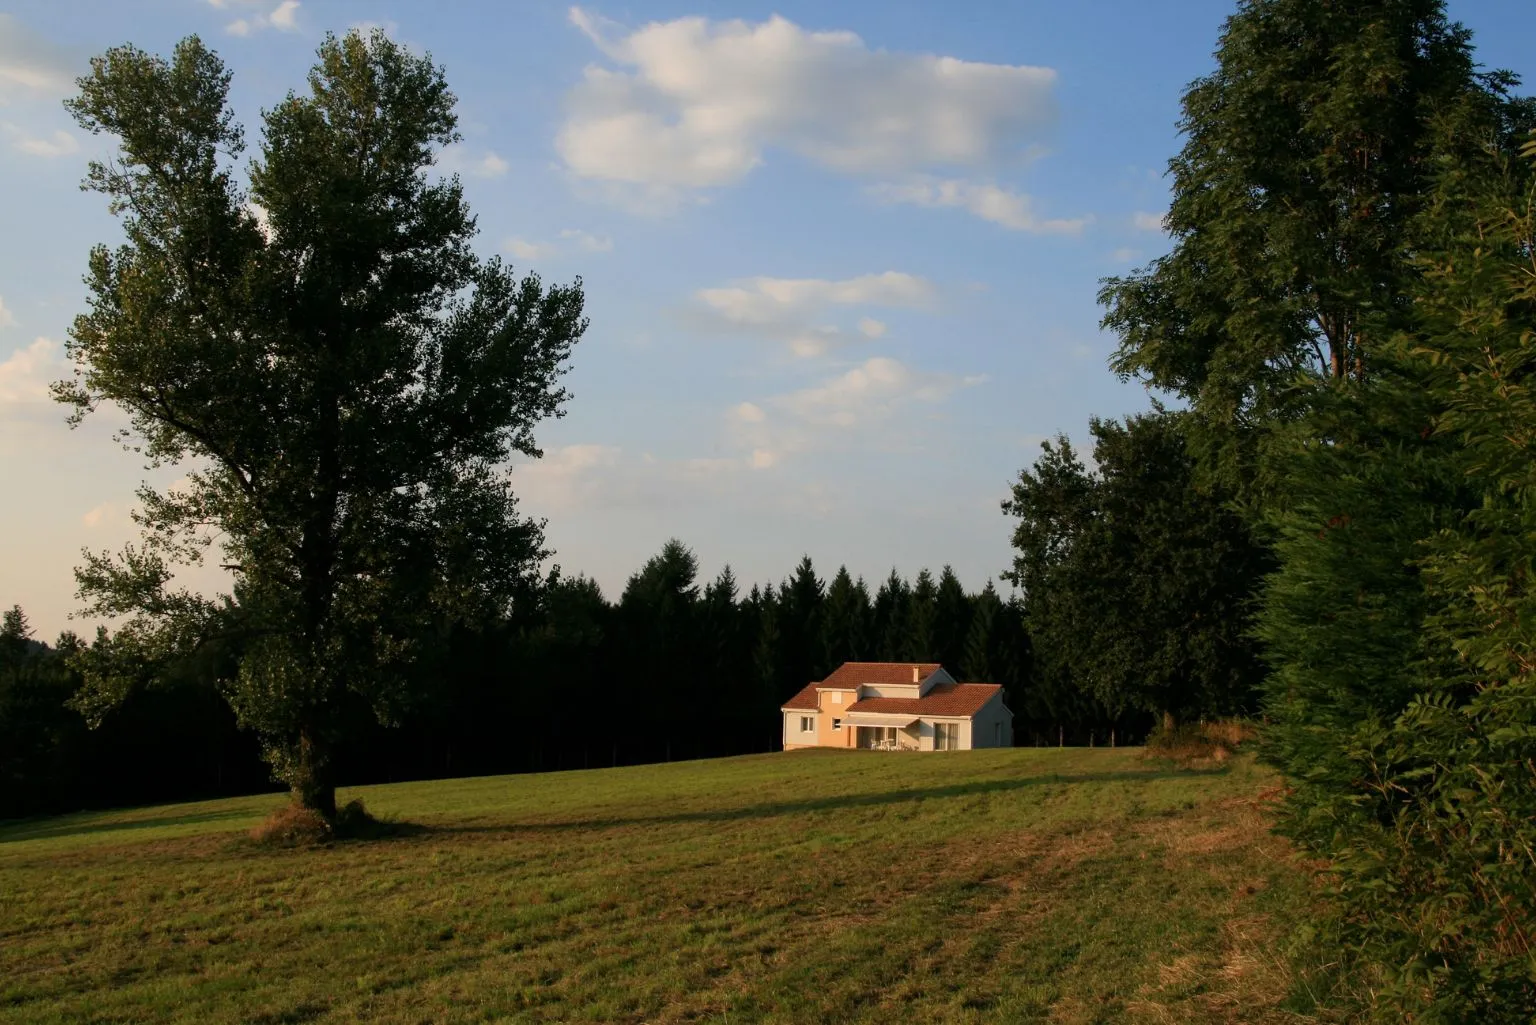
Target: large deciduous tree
1138,580
1298,203
346,377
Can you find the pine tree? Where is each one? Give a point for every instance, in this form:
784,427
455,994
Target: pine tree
768,648
888,623
801,628
847,620
919,642
981,662
951,619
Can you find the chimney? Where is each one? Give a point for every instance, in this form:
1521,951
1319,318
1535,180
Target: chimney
916,677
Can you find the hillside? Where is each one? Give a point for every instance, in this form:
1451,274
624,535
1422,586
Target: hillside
1019,885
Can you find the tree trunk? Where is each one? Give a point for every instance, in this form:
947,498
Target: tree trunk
1169,723
313,785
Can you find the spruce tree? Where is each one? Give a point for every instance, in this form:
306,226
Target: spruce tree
889,620
981,662
919,639
801,628
951,619
847,620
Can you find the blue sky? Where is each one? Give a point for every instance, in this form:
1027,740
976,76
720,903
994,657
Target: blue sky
840,258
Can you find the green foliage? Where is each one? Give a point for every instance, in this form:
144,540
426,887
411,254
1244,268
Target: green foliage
345,377
39,734
1137,578
1310,155
848,615
1431,798
1346,311
920,633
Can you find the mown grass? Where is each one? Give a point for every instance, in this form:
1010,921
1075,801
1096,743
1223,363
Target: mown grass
1019,886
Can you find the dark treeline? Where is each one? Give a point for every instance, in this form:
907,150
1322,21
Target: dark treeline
677,667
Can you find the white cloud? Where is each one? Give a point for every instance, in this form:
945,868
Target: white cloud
526,250
565,477
865,404
791,309
875,389
487,165
587,477
786,308
26,374
764,300
108,514
6,317
59,144
282,17
30,64
1149,222
570,238
588,241
694,103
995,203
1125,254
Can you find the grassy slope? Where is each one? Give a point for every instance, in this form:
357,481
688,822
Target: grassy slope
1023,885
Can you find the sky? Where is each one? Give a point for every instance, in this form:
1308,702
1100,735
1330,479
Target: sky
840,259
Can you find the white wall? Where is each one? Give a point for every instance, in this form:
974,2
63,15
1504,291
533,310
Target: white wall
793,737
984,724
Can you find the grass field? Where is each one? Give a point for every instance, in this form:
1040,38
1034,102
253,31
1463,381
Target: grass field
989,886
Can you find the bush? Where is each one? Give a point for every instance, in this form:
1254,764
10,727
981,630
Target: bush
1199,745
294,826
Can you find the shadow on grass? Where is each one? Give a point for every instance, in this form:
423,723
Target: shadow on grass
830,803
53,827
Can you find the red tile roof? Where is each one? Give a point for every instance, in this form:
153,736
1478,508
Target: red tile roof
945,699
849,675
951,699
805,700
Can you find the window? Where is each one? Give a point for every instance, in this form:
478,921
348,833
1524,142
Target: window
837,697
837,724
998,731
946,736
807,724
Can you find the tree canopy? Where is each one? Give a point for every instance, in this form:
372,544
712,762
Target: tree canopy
344,375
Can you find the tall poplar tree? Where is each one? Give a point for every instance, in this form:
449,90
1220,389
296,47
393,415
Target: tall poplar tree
1309,156
344,376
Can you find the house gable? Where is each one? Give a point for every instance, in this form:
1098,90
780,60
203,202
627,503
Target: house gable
914,698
